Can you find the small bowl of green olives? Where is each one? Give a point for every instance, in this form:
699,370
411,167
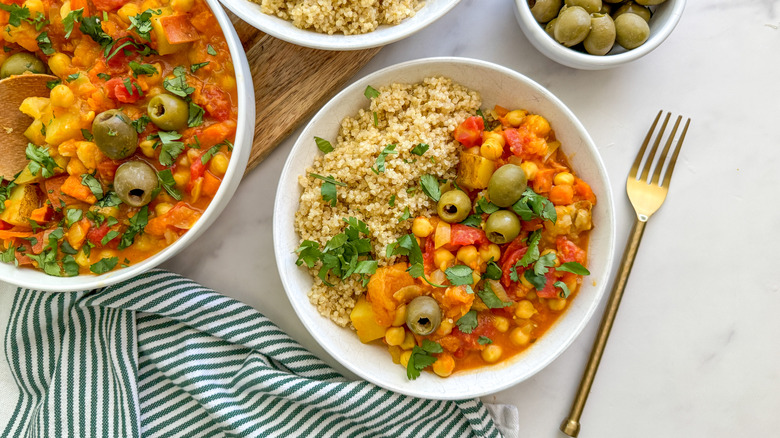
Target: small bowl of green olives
597,34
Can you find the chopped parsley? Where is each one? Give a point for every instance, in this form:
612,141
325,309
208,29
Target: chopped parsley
323,145
16,13
40,161
44,43
104,265
468,322
142,23
178,83
430,186
39,21
328,189
171,148
380,160
198,66
196,115
136,226
532,205
489,297
93,184
210,50
165,177
70,20
493,271
420,149
406,215
344,254
142,69
140,123
574,268
422,357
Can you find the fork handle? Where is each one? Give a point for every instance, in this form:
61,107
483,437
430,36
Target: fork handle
571,425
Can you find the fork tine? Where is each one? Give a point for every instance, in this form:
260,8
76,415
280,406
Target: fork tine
662,158
673,161
651,156
641,153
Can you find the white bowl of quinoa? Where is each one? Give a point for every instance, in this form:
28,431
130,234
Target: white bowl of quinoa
340,25
420,101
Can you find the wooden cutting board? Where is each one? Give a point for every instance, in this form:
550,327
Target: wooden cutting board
291,83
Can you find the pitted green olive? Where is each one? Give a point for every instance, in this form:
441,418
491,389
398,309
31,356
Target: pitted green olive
115,134
592,6
545,10
423,315
602,35
631,31
134,183
168,112
21,62
502,227
454,206
573,25
633,8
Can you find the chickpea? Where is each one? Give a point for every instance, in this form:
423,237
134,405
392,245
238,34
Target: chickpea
395,336
444,365
519,337
421,227
525,309
492,353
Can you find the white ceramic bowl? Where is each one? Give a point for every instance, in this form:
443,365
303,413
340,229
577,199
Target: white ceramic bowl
35,279
662,23
285,30
498,85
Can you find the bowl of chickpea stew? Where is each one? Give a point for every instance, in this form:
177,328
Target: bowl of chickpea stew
458,272
137,149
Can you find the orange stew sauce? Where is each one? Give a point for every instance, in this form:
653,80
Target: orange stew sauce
63,213
513,291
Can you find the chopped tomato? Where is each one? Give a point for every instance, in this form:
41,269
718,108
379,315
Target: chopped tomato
215,102
5,225
508,263
548,291
513,140
561,195
583,191
53,189
108,5
568,251
107,169
430,247
178,29
180,216
464,235
96,234
197,170
469,133
513,246
125,90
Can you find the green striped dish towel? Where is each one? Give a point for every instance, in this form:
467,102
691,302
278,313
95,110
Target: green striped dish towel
162,356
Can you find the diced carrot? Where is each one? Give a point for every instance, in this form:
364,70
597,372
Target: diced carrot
180,216
210,184
381,287
543,180
455,301
53,189
562,195
42,214
107,169
583,190
10,234
73,187
500,110
217,133
79,4
178,29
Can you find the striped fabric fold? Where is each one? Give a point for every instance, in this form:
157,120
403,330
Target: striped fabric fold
162,356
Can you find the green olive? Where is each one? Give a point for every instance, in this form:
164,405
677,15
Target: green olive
114,134
507,185
134,183
631,30
573,25
601,37
168,112
502,227
545,10
650,2
631,7
423,315
550,28
592,6
21,62
454,206
606,8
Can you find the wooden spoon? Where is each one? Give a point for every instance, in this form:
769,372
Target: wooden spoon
13,123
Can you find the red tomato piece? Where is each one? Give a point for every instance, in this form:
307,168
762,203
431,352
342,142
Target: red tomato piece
465,235
215,102
108,5
568,251
197,170
96,234
514,245
430,247
513,140
5,225
178,29
508,263
121,91
469,133
107,169
548,291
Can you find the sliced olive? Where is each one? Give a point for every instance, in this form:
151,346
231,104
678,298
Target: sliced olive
454,206
168,112
423,315
507,184
502,227
134,183
114,134
21,62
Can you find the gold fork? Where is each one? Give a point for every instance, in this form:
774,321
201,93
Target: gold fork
646,197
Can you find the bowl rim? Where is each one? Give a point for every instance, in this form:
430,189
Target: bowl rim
286,31
572,58
298,299
236,167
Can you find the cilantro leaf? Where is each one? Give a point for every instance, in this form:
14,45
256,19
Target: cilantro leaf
9,255
538,281
323,145
484,340
328,189
406,215
40,161
490,298
16,13
104,265
171,148
532,205
380,160
142,23
493,271
371,92
473,221
210,50
430,186
565,292
460,275
574,268
468,322
142,69
72,215
485,206
391,202
70,20
178,83
345,254
196,115
5,193
198,66
209,153
422,358
136,226
92,27
544,262
93,184
165,177
44,43
140,123
420,149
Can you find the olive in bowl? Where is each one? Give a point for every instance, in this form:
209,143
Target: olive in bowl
114,134
596,54
168,112
20,63
135,182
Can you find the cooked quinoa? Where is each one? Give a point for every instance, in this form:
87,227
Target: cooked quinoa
341,16
407,115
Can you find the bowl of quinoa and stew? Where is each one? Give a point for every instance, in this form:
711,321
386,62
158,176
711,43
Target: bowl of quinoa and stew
343,25
138,146
444,228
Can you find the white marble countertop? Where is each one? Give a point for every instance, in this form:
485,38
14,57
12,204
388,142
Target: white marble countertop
694,349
